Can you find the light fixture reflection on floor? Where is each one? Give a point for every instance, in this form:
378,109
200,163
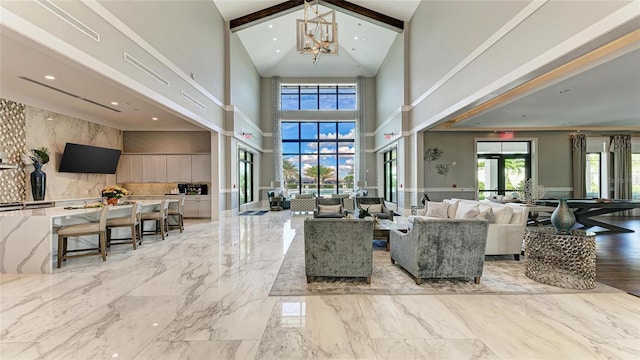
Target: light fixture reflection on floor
317,33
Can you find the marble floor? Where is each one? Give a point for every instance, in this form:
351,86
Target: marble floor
204,294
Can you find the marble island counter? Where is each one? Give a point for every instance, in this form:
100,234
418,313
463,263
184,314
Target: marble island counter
28,239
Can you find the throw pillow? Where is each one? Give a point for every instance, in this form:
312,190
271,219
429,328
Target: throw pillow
453,206
502,214
373,208
486,215
464,207
471,213
437,209
325,209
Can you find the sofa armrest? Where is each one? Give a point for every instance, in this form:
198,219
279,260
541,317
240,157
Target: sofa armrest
403,248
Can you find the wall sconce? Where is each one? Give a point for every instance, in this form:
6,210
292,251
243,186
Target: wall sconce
388,136
247,135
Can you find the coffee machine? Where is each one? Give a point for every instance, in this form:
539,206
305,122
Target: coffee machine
193,189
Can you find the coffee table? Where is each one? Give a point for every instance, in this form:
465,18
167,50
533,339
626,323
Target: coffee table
383,229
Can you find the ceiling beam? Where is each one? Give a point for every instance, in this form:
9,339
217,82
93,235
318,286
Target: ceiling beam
365,14
265,14
339,5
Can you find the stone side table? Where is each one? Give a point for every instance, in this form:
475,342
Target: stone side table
567,261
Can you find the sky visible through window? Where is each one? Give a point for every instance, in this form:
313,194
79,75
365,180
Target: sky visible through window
318,97
318,156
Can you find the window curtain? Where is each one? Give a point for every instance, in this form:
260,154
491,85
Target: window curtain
620,148
277,133
579,165
361,153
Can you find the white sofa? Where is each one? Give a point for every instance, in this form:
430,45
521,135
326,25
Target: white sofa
506,229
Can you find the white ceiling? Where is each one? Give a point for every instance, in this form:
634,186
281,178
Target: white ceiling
363,44
603,96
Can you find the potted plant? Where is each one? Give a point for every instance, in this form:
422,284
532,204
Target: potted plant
113,194
37,157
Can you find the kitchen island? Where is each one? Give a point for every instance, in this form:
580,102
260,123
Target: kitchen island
28,238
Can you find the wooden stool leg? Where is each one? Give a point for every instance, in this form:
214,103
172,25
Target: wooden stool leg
133,236
60,250
103,247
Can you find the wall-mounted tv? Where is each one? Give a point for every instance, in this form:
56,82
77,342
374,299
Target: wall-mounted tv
79,158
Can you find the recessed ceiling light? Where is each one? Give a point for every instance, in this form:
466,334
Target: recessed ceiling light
277,50
114,103
270,26
363,39
274,39
355,38
49,77
50,118
154,118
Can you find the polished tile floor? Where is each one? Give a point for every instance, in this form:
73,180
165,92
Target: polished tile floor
204,294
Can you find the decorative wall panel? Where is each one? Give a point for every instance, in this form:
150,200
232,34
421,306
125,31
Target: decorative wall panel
12,141
55,134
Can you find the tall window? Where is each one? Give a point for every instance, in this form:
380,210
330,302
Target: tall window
245,166
635,176
390,175
318,157
593,175
503,166
318,97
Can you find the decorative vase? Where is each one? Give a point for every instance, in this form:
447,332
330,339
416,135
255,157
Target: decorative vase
562,217
38,182
112,201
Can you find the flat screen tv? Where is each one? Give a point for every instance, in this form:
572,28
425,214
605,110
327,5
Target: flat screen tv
89,159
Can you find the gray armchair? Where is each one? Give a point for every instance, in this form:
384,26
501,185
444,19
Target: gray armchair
441,248
328,208
338,248
365,202
347,202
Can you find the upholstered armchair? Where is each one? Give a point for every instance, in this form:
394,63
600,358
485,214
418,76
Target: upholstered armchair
338,248
441,248
376,207
328,208
303,203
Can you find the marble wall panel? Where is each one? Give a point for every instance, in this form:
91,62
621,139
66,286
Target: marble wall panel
12,141
45,128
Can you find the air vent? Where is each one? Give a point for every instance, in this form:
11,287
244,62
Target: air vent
68,93
70,19
190,98
133,61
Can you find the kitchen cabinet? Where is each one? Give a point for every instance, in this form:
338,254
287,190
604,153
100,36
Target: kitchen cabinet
129,169
200,168
179,168
154,168
197,207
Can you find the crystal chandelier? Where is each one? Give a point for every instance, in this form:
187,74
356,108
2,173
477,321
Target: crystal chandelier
317,33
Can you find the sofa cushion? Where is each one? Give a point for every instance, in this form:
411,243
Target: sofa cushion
517,216
325,209
437,209
464,207
471,213
502,214
487,214
373,208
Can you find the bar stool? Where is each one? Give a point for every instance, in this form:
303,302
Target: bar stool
132,221
177,213
160,218
91,228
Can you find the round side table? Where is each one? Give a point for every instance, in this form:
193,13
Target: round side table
567,261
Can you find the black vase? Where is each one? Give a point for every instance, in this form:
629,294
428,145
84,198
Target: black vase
38,182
